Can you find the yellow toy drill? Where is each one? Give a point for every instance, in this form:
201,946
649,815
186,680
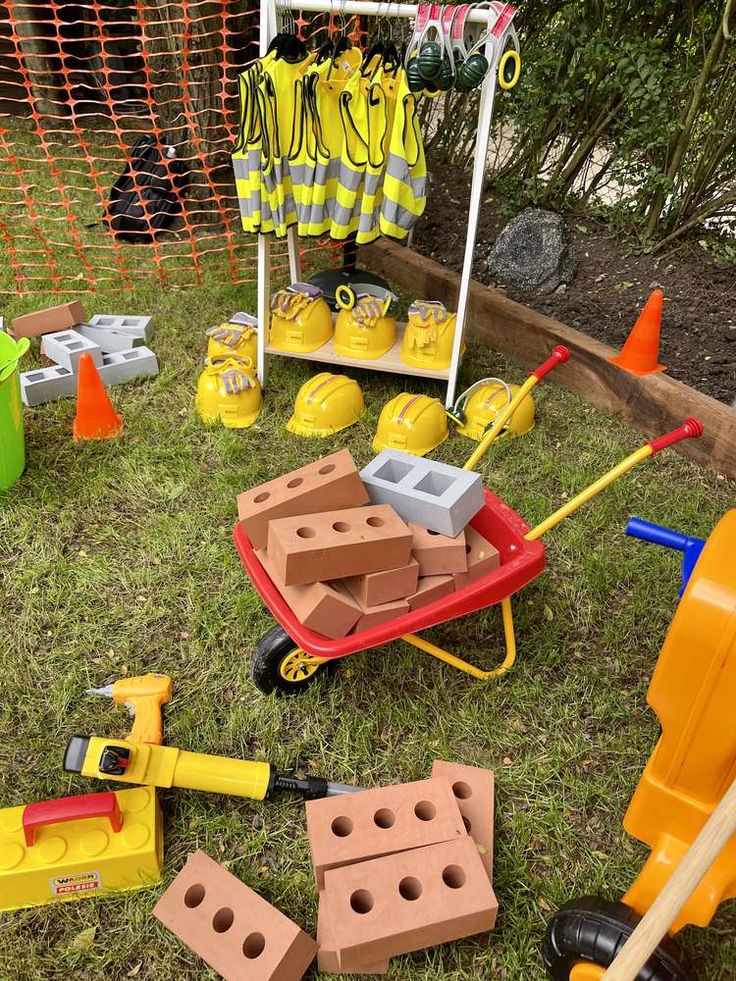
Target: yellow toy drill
141,759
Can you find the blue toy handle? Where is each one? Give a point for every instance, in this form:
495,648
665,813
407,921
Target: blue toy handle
659,535
656,534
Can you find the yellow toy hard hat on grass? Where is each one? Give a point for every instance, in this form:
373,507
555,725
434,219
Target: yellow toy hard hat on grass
236,337
326,404
411,423
229,392
478,406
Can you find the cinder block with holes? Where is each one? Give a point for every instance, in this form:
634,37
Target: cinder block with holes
430,494
482,559
375,588
49,320
231,927
473,788
135,326
429,589
356,827
67,346
328,960
122,366
46,384
330,484
438,555
317,605
336,544
406,902
109,341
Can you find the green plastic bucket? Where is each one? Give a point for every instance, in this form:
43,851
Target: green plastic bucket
12,442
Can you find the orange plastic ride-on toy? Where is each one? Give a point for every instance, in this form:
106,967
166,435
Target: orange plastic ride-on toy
693,692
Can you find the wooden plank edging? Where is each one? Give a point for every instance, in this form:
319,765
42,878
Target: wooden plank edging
652,404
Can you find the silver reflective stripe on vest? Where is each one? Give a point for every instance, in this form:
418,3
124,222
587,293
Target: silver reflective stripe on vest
397,167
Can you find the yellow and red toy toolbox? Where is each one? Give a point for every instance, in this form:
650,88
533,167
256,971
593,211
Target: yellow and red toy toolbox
78,846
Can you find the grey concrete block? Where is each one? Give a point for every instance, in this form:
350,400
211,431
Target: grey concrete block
135,326
430,494
65,347
46,384
109,340
121,366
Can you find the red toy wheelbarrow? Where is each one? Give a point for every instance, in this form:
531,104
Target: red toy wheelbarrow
290,656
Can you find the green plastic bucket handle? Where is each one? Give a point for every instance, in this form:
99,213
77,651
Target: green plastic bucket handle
8,367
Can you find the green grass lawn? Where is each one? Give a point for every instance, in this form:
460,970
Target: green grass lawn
117,558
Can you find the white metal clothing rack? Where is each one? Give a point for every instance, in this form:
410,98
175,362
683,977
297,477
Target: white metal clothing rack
497,17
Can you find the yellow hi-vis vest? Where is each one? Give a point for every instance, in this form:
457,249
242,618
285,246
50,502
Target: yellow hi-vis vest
255,209
381,106
405,180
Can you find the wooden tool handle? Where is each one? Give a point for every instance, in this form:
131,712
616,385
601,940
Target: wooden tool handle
714,836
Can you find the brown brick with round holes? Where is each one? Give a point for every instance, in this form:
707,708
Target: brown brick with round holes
318,605
482,558
381,821
438,555
473,788
328,961
406,902
336,544
331,483
231,927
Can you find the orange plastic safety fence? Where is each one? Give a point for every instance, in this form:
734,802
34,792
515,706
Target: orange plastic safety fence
80,83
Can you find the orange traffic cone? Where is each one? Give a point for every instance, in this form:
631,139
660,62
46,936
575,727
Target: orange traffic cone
641,348
95,418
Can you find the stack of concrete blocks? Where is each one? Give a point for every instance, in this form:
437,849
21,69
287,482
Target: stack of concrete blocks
117,345
231,927
402,868
349,551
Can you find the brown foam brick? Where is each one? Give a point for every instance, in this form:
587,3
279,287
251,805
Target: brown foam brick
337,544
231,927
406,902
327,484
437,554
375,588
318,605
373,616
359,826
50,320
328,960
473,788
482,558
429,589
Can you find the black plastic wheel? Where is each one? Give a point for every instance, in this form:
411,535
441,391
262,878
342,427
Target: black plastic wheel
278,665
594,930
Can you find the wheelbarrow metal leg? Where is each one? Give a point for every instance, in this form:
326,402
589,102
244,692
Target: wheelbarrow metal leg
456,662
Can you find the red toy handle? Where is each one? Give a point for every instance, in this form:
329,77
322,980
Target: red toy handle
690,427
44,812
559,354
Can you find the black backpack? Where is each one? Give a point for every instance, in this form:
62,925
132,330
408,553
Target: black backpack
147,197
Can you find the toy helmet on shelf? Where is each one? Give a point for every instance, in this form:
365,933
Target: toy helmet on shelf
236,337
411,423
476,409
428,335
228,391
326,404
364,327
301,321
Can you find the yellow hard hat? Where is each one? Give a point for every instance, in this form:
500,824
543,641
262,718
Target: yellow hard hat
364,328
236,337
228,391
479,405
301,320
326,404
411,423
428,335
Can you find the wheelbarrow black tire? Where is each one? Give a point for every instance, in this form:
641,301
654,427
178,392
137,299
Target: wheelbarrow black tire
270,653
593,929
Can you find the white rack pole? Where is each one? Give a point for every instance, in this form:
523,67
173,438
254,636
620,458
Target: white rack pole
367,8
263,276
485,118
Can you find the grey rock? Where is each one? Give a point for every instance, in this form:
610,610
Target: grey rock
533,252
